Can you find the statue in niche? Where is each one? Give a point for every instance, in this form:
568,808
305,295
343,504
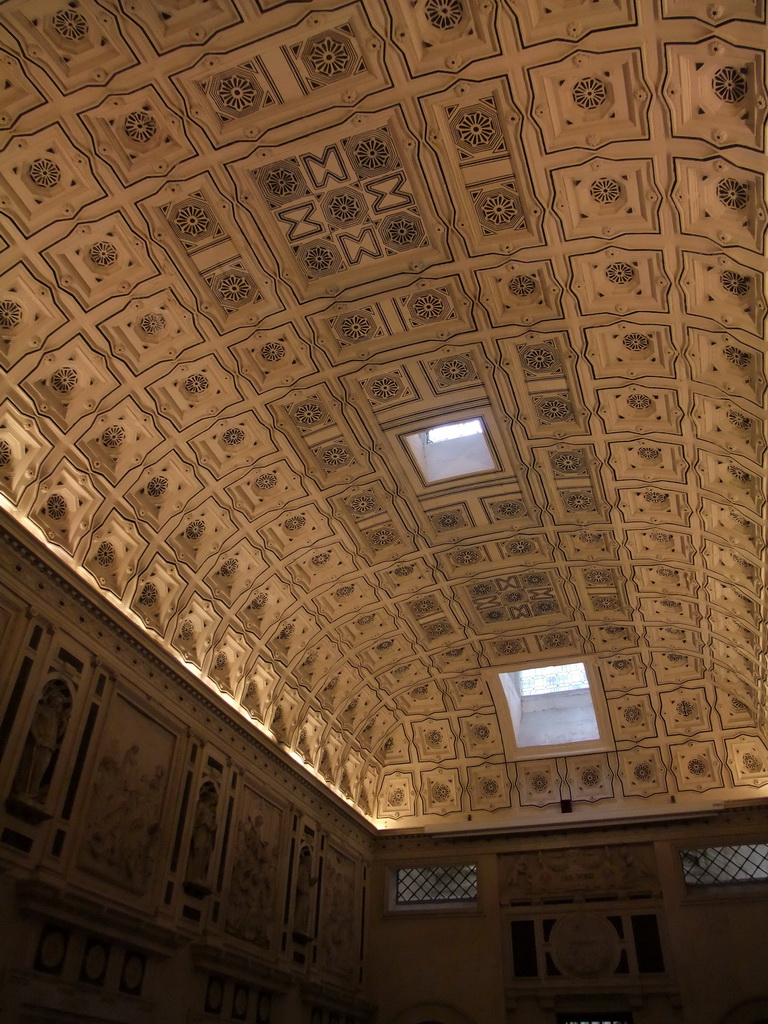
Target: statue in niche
41,751
250,907
202,842
124,824
305,883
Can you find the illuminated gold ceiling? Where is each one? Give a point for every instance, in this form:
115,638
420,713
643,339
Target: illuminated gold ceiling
249,246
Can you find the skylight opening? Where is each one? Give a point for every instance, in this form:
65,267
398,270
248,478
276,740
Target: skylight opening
451,450
453,430
555,679
551,706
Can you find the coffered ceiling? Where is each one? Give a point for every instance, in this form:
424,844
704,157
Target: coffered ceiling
249,245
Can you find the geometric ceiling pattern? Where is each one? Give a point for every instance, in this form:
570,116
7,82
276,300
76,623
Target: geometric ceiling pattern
248,247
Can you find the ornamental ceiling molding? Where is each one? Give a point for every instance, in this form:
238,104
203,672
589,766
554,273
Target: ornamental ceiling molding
231,288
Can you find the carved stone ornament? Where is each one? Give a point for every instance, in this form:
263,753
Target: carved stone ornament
566,873
585,945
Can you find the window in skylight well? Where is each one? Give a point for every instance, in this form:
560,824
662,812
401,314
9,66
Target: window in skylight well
551,705
451,450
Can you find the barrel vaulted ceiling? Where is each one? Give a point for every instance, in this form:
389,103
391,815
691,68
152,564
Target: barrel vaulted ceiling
249,245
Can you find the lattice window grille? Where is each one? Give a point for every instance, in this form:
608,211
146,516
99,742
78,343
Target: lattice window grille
614,1018
725,865
449,884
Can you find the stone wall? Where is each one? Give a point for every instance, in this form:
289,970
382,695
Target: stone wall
160,862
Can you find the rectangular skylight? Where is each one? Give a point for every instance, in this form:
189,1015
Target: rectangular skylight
555,679
451,450
551,706
454,430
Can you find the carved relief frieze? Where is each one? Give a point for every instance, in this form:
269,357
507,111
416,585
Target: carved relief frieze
122,843
578,871
252,915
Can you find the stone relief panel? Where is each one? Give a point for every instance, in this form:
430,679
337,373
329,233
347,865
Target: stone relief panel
252,914
123,840
580,871
339,921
